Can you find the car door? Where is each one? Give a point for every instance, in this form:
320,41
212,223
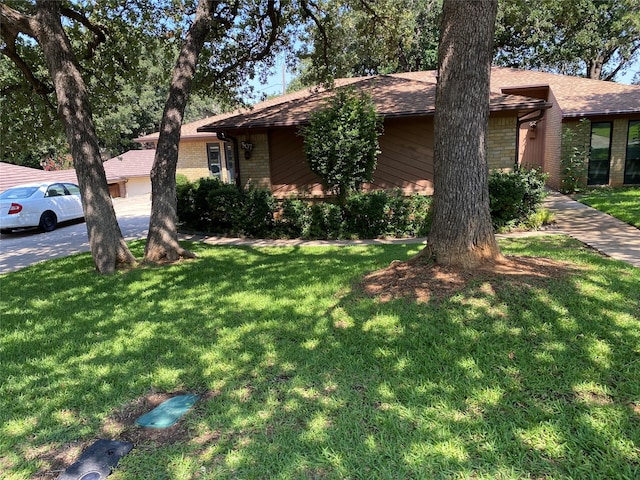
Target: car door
75,203
57,200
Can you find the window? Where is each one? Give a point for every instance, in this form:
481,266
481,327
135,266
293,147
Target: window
72,189
55,190
221,163
599,159
632,162
228,155
214,159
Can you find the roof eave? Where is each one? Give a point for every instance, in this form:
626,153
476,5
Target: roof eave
601,113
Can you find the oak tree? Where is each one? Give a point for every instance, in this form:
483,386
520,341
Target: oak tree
44,25
234,37
462,232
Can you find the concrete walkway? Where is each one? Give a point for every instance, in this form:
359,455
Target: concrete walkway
602,232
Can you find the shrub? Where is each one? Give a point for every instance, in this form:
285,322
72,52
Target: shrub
325,222
514,196
574,158
365,214
341,142
256,214
294,218
212,206
408,216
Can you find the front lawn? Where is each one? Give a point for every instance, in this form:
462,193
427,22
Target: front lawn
622,203
301,375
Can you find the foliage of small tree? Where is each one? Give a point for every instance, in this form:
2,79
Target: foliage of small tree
341,142
575,157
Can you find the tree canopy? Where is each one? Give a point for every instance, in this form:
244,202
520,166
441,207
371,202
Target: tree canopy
345,38
125,53
592,38
597,39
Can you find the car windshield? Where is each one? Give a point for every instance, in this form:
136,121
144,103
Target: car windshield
19,192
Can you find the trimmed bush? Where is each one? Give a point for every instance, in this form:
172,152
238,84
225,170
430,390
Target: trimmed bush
515,196
325,222
365,214
408,216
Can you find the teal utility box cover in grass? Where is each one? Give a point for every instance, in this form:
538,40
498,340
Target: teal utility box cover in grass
168,412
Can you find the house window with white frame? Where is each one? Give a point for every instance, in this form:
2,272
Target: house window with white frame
220,161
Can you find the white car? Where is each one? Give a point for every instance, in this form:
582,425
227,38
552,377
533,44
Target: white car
41,205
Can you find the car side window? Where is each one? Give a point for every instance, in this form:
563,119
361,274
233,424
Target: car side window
72,189
55,190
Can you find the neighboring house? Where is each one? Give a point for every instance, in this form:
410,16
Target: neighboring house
528,110
128,175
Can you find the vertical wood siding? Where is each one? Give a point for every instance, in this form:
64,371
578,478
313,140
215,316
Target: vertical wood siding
406,161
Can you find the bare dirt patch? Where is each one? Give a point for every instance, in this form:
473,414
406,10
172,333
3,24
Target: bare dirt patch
421,280
120,426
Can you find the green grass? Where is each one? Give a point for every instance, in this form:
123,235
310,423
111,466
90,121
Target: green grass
622,203
309,379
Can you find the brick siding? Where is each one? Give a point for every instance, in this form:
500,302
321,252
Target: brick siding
553,142
192,158
501,147
255,171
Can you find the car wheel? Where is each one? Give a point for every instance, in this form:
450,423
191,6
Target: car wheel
48,221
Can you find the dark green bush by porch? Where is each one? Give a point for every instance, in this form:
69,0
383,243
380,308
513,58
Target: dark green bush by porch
210,206
515,196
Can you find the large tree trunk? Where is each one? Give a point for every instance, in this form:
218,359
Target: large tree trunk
105,238
461,232
162,240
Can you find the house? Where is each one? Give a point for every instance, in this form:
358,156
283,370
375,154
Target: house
128,174
260,146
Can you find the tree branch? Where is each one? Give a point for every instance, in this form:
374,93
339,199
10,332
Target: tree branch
98,33
325,38
13,23
275,17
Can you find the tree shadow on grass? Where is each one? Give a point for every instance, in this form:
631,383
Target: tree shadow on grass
312,379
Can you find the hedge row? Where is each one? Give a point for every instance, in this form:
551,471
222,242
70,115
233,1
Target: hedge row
211,206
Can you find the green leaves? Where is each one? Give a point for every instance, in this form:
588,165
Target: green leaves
582,37
341,142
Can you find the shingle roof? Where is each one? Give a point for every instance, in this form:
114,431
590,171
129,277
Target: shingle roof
394,96
12,175
416,96
576,96
131,164
134,163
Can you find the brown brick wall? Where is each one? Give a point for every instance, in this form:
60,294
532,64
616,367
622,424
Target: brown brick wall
553,142
501,147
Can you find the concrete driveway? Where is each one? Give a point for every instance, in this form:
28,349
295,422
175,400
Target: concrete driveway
24,248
